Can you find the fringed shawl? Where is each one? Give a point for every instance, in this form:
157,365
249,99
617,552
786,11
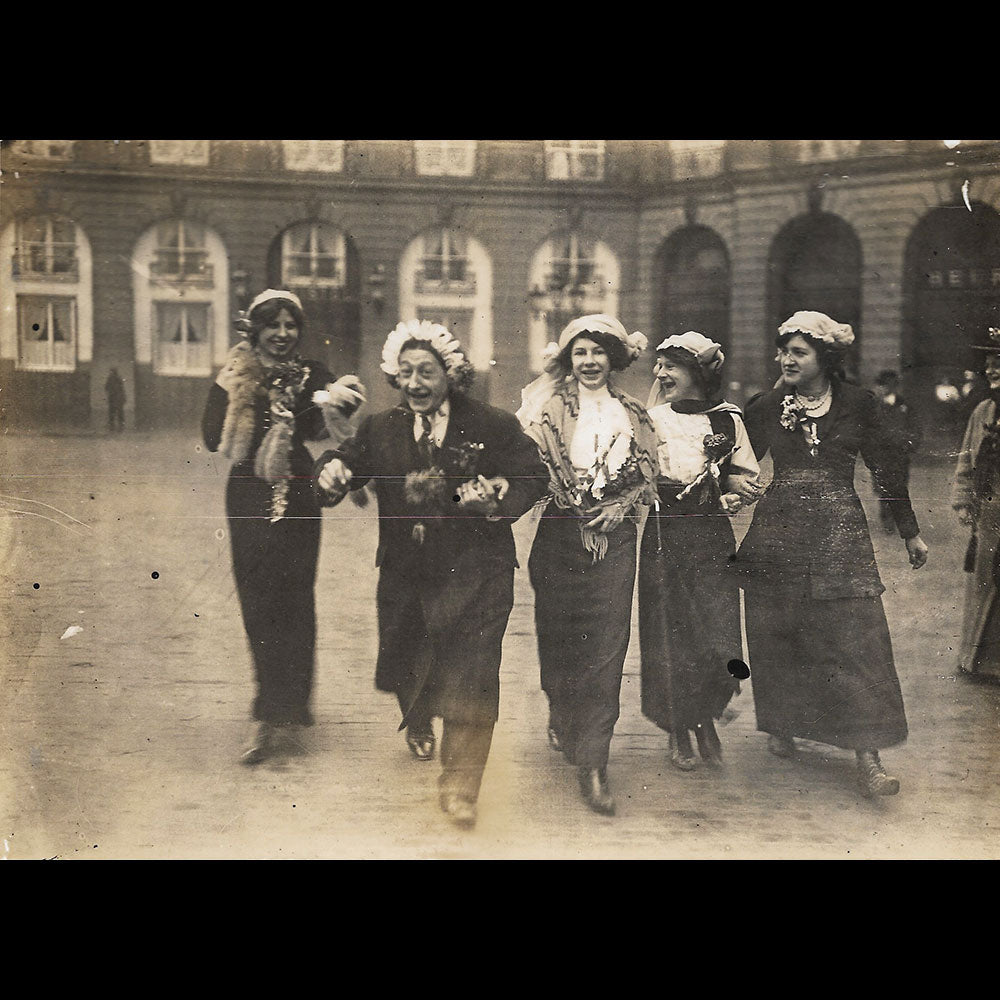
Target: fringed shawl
629,485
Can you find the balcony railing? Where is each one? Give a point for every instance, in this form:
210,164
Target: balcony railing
437,279
169,268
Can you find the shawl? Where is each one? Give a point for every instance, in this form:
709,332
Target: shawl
628,481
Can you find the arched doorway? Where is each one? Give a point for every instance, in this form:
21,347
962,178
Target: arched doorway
815,264
319,262
691,287
951,295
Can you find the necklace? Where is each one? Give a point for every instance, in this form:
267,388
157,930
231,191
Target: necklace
811,403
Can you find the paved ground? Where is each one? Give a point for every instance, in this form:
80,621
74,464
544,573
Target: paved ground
120,740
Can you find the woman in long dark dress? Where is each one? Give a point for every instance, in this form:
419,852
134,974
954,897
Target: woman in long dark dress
820,653
259,412
600,449
689,600
976,497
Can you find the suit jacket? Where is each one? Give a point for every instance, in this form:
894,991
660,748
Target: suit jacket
480,440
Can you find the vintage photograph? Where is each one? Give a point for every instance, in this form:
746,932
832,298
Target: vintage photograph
499,499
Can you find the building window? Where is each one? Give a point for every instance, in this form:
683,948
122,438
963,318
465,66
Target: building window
697,157
312,255
46,333
180,254
445,264
820,150
179,152
49,149
46,250
182,338
446,157
574,159
459,322
570,276
325,155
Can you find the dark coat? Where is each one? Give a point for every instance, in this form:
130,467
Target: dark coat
810,525
443,603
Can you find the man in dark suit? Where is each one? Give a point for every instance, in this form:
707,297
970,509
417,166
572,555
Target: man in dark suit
451,475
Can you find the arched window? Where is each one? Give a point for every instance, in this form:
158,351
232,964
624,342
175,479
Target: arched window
446,276
50,327
951,296
571,275
319,261
691,289
815,264
181,293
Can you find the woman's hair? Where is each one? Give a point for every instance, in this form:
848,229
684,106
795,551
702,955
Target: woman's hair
709,382
459,379
617,352
267,312
831,357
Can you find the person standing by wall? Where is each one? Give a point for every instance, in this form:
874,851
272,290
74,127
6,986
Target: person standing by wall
114,389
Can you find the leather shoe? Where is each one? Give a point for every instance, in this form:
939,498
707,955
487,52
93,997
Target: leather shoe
262,746
421,744
595,790
781,746
461,811
681,756
872,777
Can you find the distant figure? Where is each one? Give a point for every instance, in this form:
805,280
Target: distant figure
901,424
114,387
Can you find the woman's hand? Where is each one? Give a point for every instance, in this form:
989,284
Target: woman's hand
965,515
731,503
608,518
917,549
334,476
480,496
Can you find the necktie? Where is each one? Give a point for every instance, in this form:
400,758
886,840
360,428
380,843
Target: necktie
426,443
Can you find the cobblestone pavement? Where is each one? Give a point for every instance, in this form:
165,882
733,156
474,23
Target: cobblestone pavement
125,685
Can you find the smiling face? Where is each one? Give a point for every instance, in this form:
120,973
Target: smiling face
590,361
422,380
676,380
992,369
799,363
278,338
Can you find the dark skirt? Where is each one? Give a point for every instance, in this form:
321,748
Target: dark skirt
274,566
823,669
583,612
689,615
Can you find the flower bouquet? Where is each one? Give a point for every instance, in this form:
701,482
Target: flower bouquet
434,489
718,447
793,416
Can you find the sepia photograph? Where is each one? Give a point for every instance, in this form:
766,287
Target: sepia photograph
499,499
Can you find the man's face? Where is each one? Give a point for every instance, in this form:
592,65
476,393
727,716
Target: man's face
423,382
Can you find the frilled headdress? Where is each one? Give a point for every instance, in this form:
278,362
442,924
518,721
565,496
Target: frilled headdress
437,339
819,326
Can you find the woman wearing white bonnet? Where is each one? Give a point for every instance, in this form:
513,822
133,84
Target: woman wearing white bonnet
820,653
689,602
265,403
600,450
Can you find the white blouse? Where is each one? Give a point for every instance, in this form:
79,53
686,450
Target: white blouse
602,418
680,445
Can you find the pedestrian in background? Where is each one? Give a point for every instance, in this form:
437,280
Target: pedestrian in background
114,389
451,475
976,497
819,643
600,449
689,599
266,402
901,423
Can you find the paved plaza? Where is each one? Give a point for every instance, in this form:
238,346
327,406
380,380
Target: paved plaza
125,686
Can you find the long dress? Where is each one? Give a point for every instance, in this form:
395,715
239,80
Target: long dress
274,561
583,605
820,655
689,601
977,488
